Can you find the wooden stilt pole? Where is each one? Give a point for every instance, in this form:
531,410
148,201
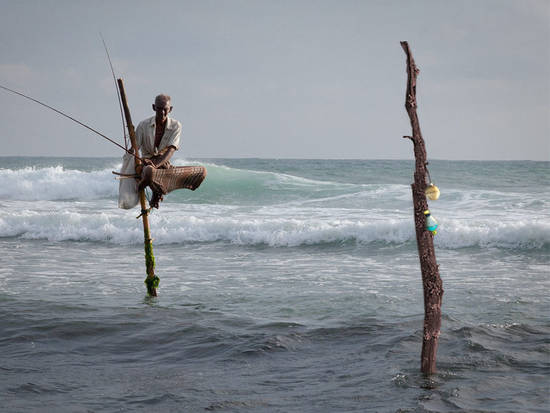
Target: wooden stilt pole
152,280
431,281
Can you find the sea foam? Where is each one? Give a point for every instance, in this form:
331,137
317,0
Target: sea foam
275,228
56,183
248,207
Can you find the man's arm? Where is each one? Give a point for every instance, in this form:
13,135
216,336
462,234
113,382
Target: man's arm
173,142
163,158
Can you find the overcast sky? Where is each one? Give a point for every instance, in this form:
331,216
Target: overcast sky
281,79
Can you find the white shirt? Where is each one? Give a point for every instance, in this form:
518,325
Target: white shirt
145,136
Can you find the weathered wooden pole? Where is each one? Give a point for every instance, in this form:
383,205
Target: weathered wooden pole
152,281
431,281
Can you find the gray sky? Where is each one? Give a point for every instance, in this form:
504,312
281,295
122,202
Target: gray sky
281,79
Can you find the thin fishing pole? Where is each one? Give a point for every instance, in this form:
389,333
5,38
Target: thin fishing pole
117,91
71,118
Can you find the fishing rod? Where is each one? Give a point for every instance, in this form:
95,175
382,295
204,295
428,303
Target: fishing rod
117,90
73,119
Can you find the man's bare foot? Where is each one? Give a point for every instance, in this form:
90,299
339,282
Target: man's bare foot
155,199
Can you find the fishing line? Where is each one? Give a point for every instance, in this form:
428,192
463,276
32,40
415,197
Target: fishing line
71,118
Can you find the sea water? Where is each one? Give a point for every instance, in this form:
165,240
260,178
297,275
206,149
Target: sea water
286,286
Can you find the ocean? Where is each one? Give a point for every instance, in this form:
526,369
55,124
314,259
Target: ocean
286,286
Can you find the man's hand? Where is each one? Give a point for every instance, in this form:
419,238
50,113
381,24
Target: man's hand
160,161
148,162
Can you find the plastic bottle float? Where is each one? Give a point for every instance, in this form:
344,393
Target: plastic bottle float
431,222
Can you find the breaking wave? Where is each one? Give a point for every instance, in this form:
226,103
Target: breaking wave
56,184
272,228
249,207
224,185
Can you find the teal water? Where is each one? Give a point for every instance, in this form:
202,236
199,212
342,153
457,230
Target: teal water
286,285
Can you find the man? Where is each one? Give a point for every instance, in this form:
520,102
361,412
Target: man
157,137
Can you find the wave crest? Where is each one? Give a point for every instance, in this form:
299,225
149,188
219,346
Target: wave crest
56,183
273,229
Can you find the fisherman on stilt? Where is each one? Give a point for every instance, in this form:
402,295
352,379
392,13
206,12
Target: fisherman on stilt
158,137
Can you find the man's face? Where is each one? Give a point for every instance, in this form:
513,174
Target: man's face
162,108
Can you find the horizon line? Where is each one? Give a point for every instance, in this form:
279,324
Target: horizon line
284,158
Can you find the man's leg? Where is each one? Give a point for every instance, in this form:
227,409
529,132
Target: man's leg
146,177
147,181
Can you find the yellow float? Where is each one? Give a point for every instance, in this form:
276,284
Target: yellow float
432,192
